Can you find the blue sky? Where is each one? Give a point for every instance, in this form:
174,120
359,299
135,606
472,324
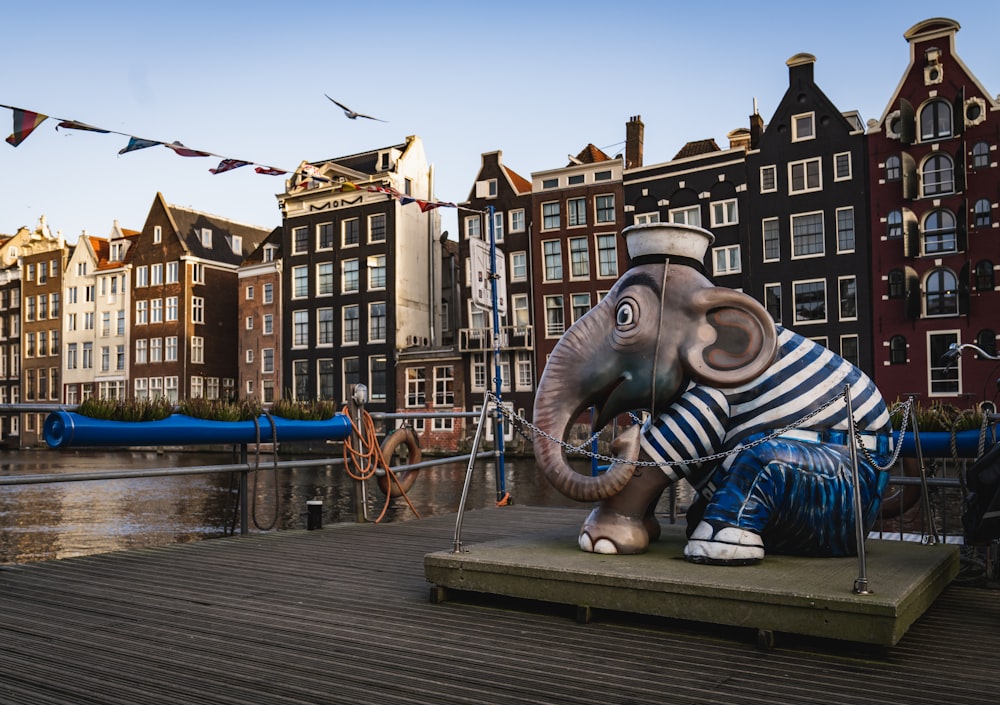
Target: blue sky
536,80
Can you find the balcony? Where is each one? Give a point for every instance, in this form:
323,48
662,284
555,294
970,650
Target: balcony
481,339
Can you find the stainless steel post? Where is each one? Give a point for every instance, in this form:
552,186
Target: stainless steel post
925,498
861,583
457,543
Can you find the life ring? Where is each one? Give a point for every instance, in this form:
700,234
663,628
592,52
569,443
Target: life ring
404,435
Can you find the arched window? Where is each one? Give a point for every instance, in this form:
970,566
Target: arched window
939,232
897,284
984,275
980,155
937,175
894,224
897,350
941,293
893,168
987,340
935,120
983,218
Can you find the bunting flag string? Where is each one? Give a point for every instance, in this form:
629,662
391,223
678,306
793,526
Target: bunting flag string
26,121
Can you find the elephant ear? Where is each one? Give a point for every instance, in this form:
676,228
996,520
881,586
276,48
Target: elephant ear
734,339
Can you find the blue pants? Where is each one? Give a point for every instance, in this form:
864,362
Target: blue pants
797,495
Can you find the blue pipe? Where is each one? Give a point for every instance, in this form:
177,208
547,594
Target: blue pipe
64,429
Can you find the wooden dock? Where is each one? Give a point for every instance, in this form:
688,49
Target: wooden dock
343,615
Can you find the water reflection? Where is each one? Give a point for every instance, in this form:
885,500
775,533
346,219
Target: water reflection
58,520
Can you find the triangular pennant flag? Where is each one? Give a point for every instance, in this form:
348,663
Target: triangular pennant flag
184,151
228,165
426,206
74,125
348,186
135,143
25,122
406,200
269,171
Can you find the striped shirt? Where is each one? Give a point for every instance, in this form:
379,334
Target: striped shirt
805,375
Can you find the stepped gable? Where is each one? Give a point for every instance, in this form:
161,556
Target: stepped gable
190,223
696,148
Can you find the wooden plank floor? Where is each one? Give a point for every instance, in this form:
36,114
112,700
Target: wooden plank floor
342,615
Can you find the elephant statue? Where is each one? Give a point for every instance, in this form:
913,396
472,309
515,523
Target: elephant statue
720,380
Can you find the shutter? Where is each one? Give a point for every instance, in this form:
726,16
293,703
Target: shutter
909,174
963,290
911,234
960,168
962,227
907,123
911,303
958,112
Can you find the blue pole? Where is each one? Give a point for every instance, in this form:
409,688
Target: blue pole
498,380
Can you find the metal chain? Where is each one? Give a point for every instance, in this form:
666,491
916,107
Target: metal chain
520,421
902,430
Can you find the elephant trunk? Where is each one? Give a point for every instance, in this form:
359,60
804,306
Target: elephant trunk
559,400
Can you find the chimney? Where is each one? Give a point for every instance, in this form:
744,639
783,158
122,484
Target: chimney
756,127
739,138
634,132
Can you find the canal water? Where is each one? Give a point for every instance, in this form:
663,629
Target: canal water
59,520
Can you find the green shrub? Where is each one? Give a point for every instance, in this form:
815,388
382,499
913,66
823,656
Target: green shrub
940,417
219,410
126,409
312,410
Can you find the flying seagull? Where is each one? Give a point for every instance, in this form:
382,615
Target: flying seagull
350,113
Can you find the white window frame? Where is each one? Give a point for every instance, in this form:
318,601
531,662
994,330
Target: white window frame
841,281
725,212
937,365
763,237
646,218
687,215
801,120
516,218
729,257
795,307
772,169
806,187
808,255
837,176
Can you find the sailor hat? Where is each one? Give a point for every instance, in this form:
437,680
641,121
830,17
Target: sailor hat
661,242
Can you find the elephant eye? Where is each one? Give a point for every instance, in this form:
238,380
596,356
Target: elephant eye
626,316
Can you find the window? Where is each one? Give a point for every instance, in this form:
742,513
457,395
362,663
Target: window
848,298
324,236
772,301
141,347
689,215
550,215
71,360
517,220
937,175
897,350
849,349
141,312
521,309
726,260
206,237
893,168
300,282
171,313
942,380
267,360
555,321
300,329
170,348
416,386
300,240
156,274
156,313
896,281
803,127
602,176
198,387
939,233
607,256
157,234
376,322
444,385
845,229
579,257
646,218
809,301
768,178
987,340
576,211
894,224
324,326
935,120
518,266
268,293
550,183
579,305
249,323
349,276
324,279
575,179
352,331
980,155
724,213
300,380
197,273
498,226
807,235
350,232
525,378
352,373
804,176
842,166
376,227
267,390
326,378
156,350
377,377
982,215
941,293
605,209
197,309
772,239
552,250
88,356
984,276
473,227
376,272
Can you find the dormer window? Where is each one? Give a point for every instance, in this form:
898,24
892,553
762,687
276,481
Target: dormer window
269,251
206,237
803,127
117,251
383,161
237,243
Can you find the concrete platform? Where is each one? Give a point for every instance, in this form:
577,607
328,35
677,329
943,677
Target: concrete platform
808,596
